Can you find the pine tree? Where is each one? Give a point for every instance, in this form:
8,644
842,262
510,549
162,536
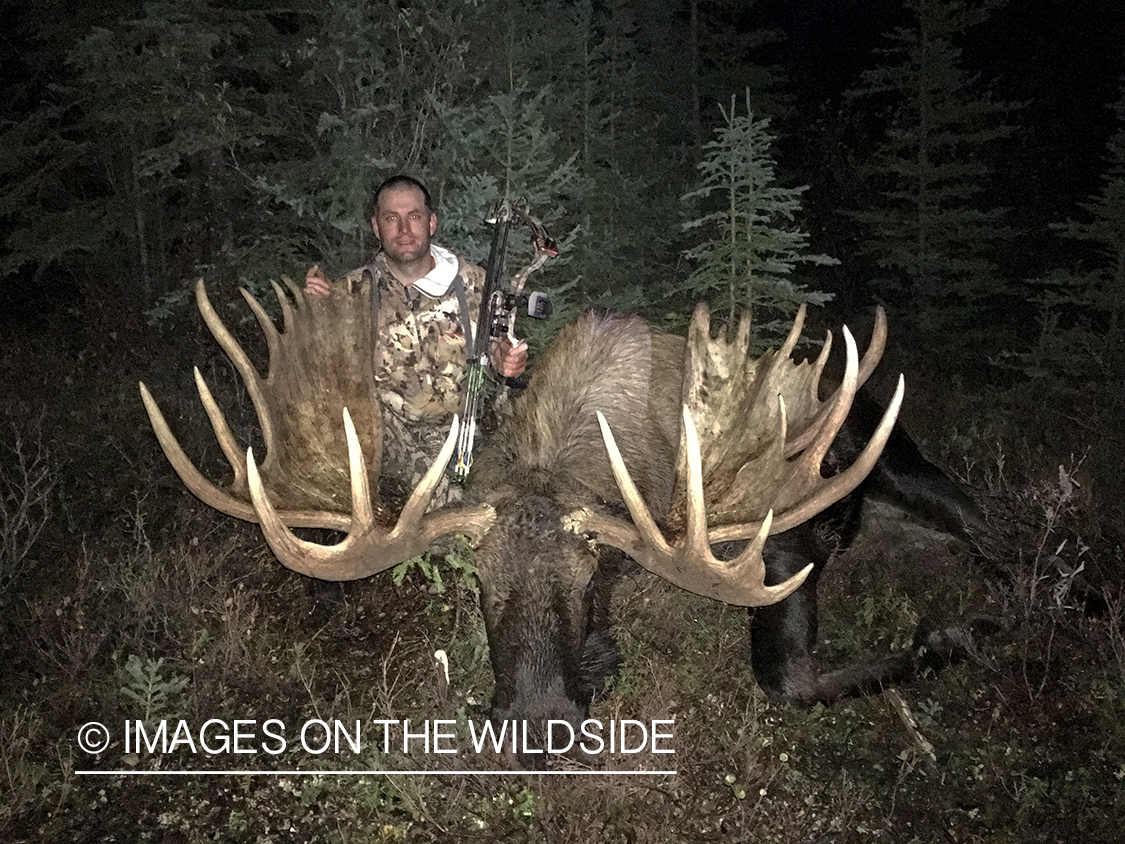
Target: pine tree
755,244
122,167
927,228
1081,342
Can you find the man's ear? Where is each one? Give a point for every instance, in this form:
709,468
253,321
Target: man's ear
433,224
374,227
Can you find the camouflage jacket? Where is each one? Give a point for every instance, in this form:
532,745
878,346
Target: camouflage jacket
422,357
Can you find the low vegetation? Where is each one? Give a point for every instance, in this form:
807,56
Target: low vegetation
133,602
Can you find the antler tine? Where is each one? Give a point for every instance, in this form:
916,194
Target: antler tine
840,485
875,348
193,479
871,358
288,318
699,330
239,358
362,511
696,533
368,548
689,564
646,529
273,338
800,441
222,431
745,327
809,461
794,335
210,494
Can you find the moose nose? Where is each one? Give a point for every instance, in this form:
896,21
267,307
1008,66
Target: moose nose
539,735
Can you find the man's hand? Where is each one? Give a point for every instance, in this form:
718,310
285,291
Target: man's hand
316,282
508,360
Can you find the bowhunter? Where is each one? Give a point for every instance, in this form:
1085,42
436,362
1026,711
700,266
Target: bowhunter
427,300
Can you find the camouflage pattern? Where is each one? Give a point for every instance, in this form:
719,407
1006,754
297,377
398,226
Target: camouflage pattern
418,373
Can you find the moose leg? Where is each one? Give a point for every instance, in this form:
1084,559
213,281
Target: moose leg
783,636
600,657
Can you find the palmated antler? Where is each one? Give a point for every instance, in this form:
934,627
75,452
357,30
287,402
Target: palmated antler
314,473
370,547
314,372
753,439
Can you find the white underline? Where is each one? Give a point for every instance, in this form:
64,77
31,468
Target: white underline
375,773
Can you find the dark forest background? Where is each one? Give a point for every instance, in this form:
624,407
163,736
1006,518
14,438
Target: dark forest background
960,162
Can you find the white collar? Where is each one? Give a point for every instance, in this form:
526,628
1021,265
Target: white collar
436,282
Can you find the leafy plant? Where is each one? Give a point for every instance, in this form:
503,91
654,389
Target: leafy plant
459,559
148,684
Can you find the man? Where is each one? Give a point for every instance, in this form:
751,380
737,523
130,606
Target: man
423,291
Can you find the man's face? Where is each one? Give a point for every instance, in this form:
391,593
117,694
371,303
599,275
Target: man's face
403,224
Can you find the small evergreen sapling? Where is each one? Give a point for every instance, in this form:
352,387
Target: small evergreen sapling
754,243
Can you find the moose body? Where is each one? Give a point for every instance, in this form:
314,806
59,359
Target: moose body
627,443
546,590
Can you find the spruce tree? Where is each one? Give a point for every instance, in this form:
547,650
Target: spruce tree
623,215
1099,329
927,228
365,80
754,243
561,117
502,146
123,169
1095,294
1077,359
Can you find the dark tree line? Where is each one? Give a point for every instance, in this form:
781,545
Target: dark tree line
147,144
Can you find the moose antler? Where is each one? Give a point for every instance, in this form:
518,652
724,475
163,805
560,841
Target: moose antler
740,470
369,547
321,368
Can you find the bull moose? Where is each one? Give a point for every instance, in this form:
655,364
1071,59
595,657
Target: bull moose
627,443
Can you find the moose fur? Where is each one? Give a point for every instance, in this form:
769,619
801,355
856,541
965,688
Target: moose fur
546,591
